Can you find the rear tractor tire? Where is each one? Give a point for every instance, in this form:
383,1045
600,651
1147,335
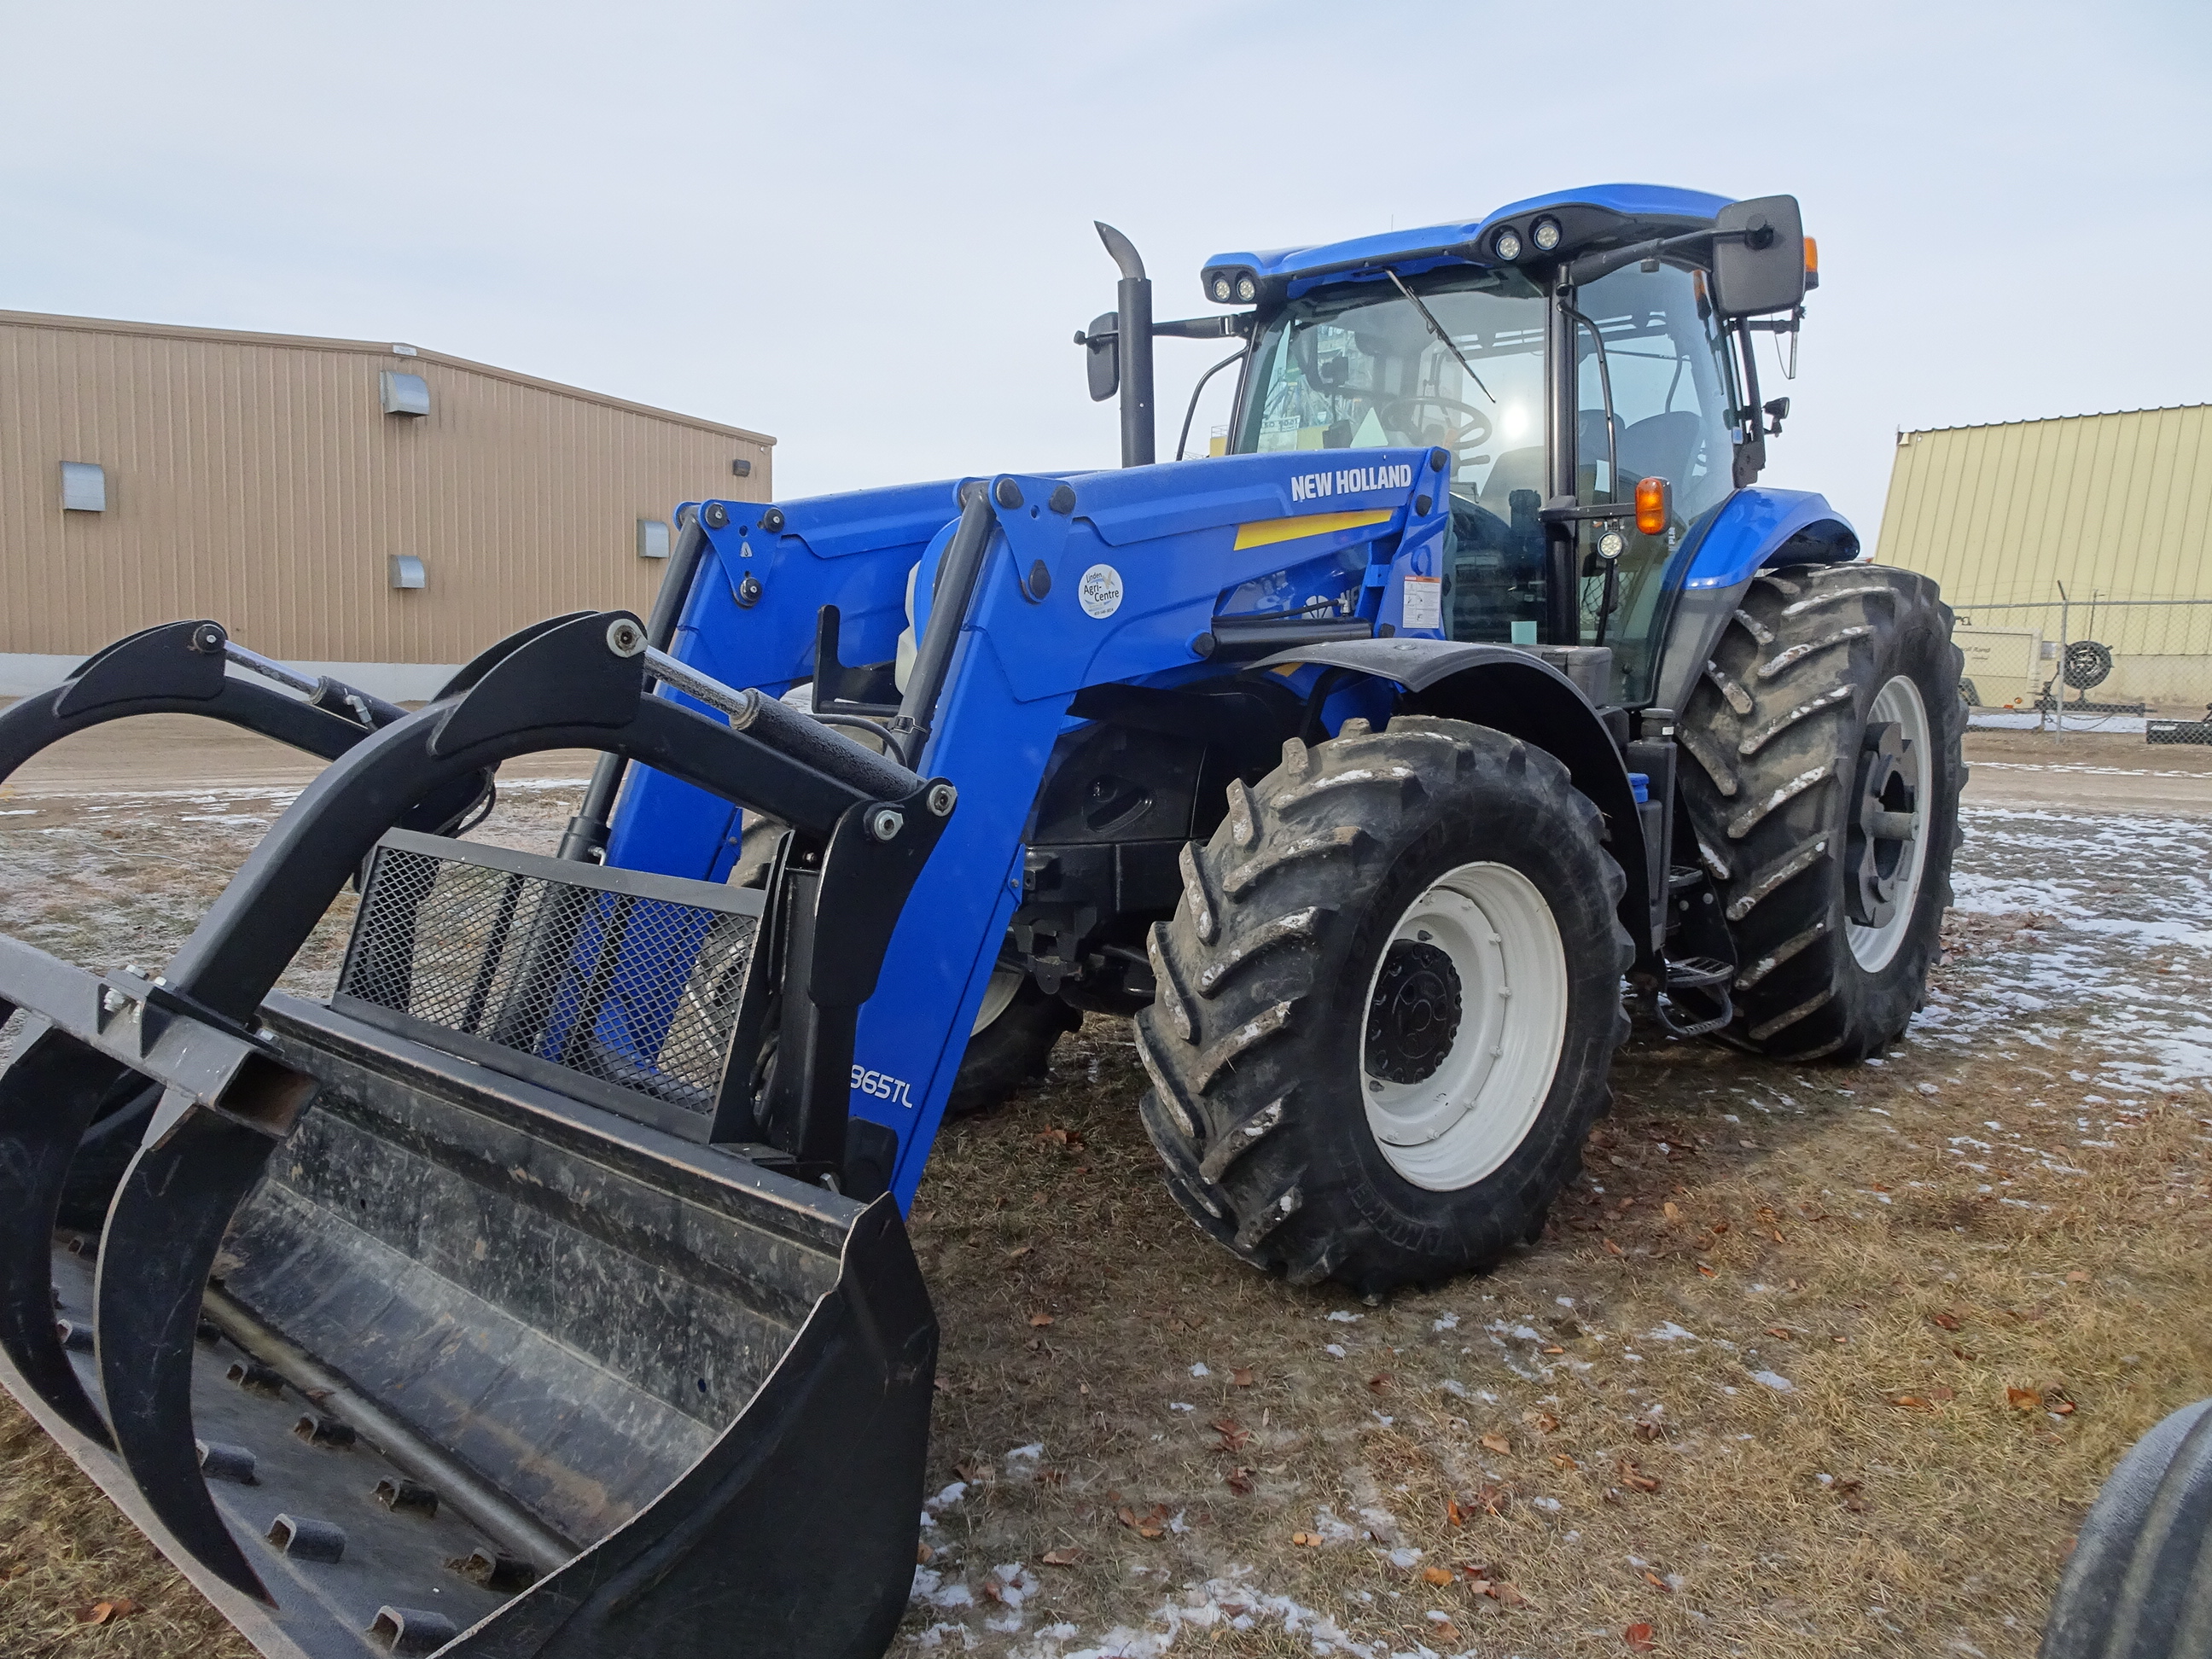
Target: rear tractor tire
1386,1005
1823,783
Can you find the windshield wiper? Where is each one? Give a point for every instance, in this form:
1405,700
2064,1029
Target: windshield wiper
1437,329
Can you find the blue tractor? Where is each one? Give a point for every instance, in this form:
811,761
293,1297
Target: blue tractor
1473,690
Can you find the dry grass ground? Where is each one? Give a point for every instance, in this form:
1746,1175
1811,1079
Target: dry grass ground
1978,1267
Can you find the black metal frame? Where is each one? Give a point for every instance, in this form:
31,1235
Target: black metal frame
230,1097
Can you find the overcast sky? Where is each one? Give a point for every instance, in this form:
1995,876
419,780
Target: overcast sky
866,228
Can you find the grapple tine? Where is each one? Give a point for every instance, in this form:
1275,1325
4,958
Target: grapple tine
48,1094
163,1231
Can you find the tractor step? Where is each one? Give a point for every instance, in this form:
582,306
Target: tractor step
1705,979
1694,973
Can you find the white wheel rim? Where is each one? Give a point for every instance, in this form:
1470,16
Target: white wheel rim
1460,1121
1899,701
998,996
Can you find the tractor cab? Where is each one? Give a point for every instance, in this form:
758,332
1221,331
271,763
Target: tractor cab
1564,354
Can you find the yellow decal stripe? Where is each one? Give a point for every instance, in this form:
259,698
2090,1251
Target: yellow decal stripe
1269,531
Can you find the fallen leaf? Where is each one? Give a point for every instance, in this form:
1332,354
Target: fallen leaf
1707,1271
1553,1347
1310,1539
1039,1321
1454,1515
1504,1592
1147,1525
1720,1226
1380,1381
1241,1376
1240,1480
972,1470
1018,1252
992,1590
1949,1321
1912,1402
921,1554
1234,1435
1638,1479
1067,1558
1638,1637
2063,1408
1614,1248
1777,1330
1479,1585
1448,1629
1562,1461
1436,1575
1647,1429
1545,1422
2077,1277
1658,1582
1497,1442
2022,1399
1672,1212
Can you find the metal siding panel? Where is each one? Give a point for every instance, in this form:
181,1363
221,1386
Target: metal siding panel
256,480
2108,504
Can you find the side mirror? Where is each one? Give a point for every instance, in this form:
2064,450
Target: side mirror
1759,257
1102,344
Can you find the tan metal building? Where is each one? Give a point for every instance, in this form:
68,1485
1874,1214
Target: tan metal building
2045,533
350,503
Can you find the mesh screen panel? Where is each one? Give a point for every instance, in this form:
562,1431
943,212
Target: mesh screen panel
636,991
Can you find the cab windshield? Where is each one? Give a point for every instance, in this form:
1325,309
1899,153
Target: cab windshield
1360,367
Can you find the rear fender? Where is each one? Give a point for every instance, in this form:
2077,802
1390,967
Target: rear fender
1752,529
1525,697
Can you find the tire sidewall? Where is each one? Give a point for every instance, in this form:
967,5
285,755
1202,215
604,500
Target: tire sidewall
1885,999
1529,834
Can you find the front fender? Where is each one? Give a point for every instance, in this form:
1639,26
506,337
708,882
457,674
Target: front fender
1524,696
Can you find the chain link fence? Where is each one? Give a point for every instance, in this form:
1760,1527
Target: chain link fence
2091,664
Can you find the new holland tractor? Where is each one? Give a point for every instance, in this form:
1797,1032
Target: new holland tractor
545,1290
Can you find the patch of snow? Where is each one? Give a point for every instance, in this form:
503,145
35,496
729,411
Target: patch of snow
1773,1380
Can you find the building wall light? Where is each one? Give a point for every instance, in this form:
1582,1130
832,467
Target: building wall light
652,538
403,394
407,571
84,487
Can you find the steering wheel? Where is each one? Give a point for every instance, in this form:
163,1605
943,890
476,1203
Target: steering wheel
1469,435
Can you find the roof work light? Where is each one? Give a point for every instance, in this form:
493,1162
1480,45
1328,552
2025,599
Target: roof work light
1545,232
1506,245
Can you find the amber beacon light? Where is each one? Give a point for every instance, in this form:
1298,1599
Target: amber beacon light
1654,505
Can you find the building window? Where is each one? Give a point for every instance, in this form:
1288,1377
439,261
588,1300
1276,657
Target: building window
652,538
84,487
403,394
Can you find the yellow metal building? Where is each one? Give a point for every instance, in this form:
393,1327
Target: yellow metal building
365,508
2090,528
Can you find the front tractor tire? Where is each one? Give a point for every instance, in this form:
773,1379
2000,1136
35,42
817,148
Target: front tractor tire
1386,1005
1823,783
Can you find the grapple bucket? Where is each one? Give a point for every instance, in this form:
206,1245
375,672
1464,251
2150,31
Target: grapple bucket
535,1297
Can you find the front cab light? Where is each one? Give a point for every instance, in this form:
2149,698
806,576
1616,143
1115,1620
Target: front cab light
1545,232
1506,244
1248,287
